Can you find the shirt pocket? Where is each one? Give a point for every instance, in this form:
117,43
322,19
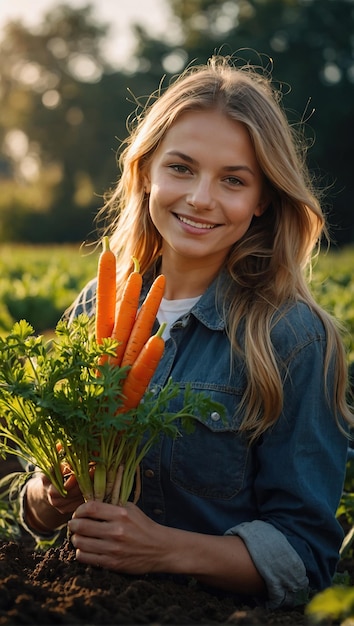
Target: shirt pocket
211,461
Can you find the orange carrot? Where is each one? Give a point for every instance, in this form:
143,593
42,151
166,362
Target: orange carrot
144,322
69,480
106,292
126,313
69,477
141,372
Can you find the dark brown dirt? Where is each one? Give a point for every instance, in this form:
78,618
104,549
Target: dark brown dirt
51,588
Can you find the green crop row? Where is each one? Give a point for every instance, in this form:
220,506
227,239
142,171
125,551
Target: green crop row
333,287
38,283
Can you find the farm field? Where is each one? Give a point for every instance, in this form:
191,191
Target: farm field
38,283
333,286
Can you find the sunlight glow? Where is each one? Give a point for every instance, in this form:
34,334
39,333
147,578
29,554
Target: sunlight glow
51,99
84,67
15,144
153,15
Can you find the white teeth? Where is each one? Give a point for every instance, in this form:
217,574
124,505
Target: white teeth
195,224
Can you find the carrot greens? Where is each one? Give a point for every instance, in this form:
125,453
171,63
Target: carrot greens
60,408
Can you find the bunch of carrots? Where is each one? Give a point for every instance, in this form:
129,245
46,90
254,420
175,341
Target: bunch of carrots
136,348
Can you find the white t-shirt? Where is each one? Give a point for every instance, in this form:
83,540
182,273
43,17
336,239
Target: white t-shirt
171,310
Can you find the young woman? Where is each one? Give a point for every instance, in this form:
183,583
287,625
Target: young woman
215,195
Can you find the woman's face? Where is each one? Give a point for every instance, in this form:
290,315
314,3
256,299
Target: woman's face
205,186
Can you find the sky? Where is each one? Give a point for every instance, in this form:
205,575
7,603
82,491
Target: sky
152,14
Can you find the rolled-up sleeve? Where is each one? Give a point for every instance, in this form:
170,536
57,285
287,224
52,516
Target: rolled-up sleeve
277,562
39,537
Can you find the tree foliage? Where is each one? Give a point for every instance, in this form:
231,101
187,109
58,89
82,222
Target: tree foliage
59,110
63,108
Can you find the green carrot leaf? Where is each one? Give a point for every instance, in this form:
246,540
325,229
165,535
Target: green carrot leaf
59,403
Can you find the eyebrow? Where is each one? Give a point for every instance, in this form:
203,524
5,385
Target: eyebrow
227,168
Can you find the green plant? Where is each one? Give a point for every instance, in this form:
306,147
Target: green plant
9,507
38,283
335,603
60,409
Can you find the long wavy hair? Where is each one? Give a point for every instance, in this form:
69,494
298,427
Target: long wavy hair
269,265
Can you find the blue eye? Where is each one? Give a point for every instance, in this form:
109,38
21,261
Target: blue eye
232,180
178,167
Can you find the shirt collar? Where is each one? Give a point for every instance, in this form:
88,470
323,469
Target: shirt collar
209,309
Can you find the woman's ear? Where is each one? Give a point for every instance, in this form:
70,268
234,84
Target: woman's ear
146,182
262,207
264,201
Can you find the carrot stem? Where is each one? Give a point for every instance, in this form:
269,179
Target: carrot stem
137,490
115,497
99,482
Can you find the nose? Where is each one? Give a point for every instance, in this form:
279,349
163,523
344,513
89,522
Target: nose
201,195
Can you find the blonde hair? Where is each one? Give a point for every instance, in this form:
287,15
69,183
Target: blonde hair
268,264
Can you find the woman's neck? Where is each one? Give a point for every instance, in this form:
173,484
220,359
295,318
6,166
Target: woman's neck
184,281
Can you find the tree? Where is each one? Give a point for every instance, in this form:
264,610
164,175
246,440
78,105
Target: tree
61,107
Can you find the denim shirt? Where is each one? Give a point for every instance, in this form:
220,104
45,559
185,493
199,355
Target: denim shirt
279,494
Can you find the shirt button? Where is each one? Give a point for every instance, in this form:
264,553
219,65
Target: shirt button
157,511
149,473
215,416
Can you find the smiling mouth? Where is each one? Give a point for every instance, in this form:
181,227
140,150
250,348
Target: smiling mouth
201,225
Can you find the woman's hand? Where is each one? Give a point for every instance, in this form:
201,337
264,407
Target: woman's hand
64,504
45,508
126,540
116,537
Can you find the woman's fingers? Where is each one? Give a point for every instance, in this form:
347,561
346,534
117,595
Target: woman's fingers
97,510
116,537
69,502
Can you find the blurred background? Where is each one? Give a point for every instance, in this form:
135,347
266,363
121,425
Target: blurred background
71,74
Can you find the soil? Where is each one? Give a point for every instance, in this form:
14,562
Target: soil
51,587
